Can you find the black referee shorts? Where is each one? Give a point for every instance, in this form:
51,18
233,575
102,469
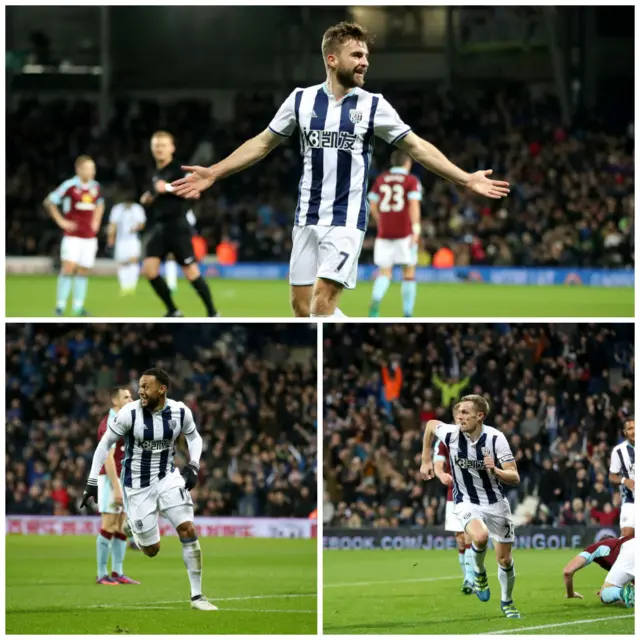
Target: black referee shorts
161,240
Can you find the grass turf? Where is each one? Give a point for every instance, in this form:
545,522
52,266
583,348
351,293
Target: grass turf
34,296
418,592
260,586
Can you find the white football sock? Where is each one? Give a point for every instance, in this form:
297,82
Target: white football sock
507,578
478,558
123,277
192,556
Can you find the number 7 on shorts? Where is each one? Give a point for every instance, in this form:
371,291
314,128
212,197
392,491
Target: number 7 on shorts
345,257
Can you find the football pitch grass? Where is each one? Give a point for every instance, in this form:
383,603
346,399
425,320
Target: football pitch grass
418,592
260,587
34,296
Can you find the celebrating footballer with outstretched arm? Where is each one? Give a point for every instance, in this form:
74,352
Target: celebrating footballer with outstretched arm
337,121
481,460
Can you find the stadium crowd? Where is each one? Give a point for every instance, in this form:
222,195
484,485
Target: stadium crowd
559,392
252,390
571,201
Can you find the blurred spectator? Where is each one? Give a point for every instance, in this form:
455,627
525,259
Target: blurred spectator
571,204
252,389
559,393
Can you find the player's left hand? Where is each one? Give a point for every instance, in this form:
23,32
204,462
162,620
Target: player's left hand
480,183
160,186
90,491
190,475
490,464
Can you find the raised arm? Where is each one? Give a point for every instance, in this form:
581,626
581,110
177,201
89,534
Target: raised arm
433,159
247,154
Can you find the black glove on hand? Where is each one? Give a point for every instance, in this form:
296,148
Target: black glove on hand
90,491
190,475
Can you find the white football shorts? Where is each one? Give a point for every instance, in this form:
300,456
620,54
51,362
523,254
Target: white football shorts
451,521
127,250
325,252
105,496
80,251
167,497
627,515
399,251
496,516
623,570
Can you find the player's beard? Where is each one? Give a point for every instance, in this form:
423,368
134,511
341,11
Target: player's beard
347,78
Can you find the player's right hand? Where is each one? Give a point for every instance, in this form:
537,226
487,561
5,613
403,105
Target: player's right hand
118,499
68,225
192,185
90,491
426,470
575,594
445,478
629,483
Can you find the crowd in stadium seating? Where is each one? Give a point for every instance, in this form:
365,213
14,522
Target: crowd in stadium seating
571,201
254,404
560,393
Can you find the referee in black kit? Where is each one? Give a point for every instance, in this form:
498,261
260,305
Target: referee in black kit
167,229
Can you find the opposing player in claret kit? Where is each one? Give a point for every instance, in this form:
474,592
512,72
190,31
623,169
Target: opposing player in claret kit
111,538
442,469
395,206
77,207
337,121
151,484
481,460
617,557
622,472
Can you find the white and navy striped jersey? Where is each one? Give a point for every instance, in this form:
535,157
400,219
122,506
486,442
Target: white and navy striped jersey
336,143
623,462
127,216
149,440
471,482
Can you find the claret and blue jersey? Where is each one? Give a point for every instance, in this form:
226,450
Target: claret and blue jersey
336,143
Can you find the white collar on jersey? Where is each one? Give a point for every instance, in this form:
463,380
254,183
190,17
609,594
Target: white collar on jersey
401,170
326,90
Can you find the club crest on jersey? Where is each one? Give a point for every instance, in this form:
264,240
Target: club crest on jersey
173,424
355,116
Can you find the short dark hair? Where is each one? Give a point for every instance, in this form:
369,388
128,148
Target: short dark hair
117,389
399,157
334,37
159,374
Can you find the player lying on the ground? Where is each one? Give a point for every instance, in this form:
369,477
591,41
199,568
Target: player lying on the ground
614,555
151,483
481,460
